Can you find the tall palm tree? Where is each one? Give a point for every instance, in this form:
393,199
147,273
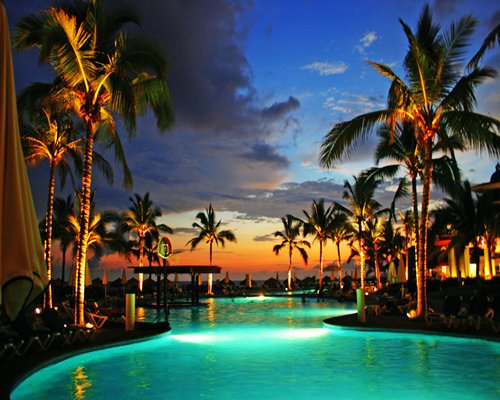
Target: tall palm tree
318,222
340,231
208,227
103,71
140,219
402,147
49,135
438,98
289,239
362,207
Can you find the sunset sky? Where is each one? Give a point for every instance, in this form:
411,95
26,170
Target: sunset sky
256,85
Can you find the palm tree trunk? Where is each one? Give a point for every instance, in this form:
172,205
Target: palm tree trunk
361,241
422,248
209,283
414,200
84,227
321,267
141,254
289,268
377,271
63,266
340,266
48,235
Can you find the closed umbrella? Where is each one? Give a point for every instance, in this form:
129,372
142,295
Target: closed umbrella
226,279
105,279
124,279
23,273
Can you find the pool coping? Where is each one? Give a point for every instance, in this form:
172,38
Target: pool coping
350,322
13,381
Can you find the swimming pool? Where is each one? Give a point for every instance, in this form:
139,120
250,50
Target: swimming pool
274,348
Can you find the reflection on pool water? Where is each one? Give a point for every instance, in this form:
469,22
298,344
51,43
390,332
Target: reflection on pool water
274,348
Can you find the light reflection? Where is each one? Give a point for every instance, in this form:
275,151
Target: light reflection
81,383
303,333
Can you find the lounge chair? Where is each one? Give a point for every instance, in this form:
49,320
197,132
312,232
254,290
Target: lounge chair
478,307
39,339
493,314
11,344
97,320
69,334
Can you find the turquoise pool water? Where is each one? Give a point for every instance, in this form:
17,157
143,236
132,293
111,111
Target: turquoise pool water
273,348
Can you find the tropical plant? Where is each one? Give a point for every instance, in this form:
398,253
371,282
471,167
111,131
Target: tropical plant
141,220
437,99
318,222
467,217
208,227
63,208
340,231
362,207
289,239
103,71
374,242
49,135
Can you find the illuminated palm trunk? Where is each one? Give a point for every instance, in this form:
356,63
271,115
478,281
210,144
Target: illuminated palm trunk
48,234
377,271
84,227
320,266
422,248
340,266
289,267
209,280
140,281
362,261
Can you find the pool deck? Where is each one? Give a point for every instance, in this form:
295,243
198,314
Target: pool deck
400,323
14,370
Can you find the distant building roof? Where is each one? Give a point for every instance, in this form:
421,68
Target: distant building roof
177,269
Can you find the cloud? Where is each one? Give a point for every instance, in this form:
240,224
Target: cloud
264,238
354,104
262,152
279,110
366,41
325,68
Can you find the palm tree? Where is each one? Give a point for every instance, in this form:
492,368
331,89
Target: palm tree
374,240
467,217
318,222
103,233
209,232
289,238
340,231
437,99
141,220
63,208
362,207
403,149
103,71
49,135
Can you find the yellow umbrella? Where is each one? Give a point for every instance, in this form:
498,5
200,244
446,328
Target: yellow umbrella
23,273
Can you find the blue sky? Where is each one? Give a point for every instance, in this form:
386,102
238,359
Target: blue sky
256,86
